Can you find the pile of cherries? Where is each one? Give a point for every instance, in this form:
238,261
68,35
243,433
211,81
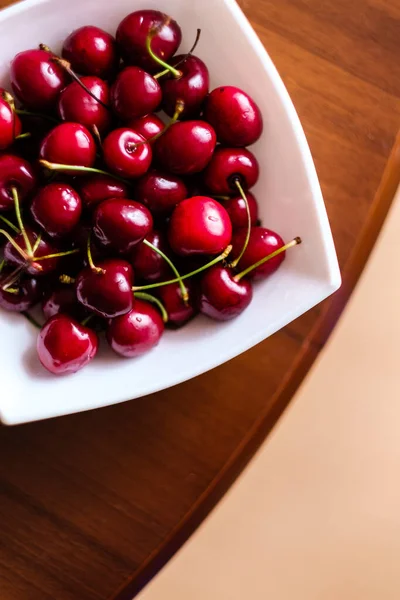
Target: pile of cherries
116,220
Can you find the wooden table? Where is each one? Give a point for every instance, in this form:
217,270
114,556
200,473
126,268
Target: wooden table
93,502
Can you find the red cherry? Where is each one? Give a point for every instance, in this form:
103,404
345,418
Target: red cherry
75,104
236,209
15,172
121,224
57,209
160,192
191,88
147,126
62,300
186,147
221,297
65,346
91,51
235,116
199,225
29,294
123,157
147,263
132,34
136,332
226,165
10,124
262,243
135,94
44,249
69,144
107,293
179,313
93,189
36,79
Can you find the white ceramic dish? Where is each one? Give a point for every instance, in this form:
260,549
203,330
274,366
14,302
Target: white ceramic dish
288,191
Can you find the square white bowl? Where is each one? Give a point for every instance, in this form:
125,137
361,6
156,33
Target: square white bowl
288,192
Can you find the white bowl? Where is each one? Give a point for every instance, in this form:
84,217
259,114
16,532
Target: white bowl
288,191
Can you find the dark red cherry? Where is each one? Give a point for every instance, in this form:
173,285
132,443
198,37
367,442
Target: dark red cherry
135,94
93,189
186,147
147,263
10,124
121,224
75,104
62,300
91,51
132,34
199,225
15,172
236,209
107,293
123,157
69,144
191,88
65,346
235,116
262,243
147,126
136,332
44,248
36,79
160,192
57,209
226,165
29,294
179,313
221,297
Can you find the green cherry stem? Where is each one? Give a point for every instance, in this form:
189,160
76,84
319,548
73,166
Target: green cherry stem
153,300
11,225
27,241
57,255
36,244
291,244
158,60
86,321
14,244
11,279
180,107
70,168
184,292
28,113
237,260
192,49
2,263
23,136
66,279
90,257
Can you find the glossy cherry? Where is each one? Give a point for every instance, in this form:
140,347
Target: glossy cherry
10,124
69,144
235,116
65,346
178,311
123,157
93,189
226,165
186,148
75,104
29,294
237,211
136,332
107,293
121,224
15,172
132,35
135,94
57,209
147,126
36,79
262,243
199,225
44,248
191,87
160,192
221,297
62,300
91,51
147,263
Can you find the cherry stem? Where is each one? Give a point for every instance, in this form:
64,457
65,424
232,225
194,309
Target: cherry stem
180,107
28,245
11,290
11,225
225,198
216,260
192,49
153,32
57,255
37,243
90,257
184,291
11,279
68,168
153,300
86,321
2,263
23,136
291,244
66,279
31,320
237,260
28,113
14,244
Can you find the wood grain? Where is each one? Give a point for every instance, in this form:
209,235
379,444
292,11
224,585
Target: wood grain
87,499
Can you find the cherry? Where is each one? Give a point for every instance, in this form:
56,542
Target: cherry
62,300
125,154
199,225
93,189
135,94
160,192
44,248
15,172
221,297
75,104
136,332
133,32
262,242
147,263
121,224
65,346
191,87
178,311
234,115
147,126
107,291
91,51
24,294
57,209
226,165
236,209
69,144
10,124
36,79
186,147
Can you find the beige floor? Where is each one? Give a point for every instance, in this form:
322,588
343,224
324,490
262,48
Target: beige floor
316,515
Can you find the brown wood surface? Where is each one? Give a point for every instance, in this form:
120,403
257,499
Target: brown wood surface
90,500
